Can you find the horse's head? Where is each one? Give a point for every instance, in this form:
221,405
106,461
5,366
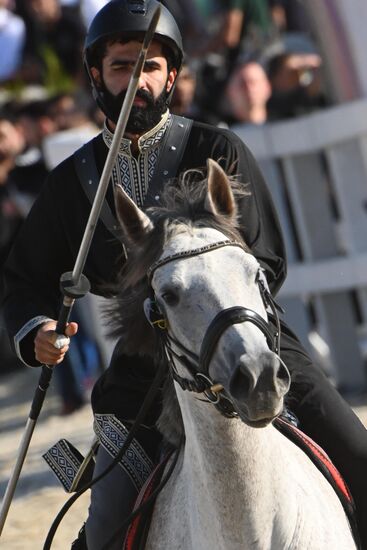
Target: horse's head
207,285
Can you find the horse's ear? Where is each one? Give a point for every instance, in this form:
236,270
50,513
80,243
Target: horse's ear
219,199
134,223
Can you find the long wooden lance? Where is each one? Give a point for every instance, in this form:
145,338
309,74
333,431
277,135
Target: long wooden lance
74,284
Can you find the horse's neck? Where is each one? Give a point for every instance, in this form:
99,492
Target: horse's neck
227,462
241,488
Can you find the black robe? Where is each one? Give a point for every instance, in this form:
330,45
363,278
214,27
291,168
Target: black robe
49,241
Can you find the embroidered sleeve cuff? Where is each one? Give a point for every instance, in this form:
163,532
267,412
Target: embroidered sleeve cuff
20,340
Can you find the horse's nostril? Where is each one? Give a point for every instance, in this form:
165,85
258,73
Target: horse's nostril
266,374
242,383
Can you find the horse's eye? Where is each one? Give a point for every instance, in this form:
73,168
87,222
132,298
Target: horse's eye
170,298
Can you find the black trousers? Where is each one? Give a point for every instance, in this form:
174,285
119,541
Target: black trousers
322,412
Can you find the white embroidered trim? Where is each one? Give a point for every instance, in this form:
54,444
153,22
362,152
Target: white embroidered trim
146,141
134,174
112,434
22,333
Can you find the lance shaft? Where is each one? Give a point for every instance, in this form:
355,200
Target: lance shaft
113,151
74,284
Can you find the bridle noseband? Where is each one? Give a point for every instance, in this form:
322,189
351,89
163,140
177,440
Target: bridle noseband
198,366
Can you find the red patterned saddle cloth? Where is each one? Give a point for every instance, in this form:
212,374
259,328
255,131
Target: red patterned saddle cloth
322,461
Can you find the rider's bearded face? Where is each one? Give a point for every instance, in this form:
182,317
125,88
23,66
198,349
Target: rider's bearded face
142,118
154,84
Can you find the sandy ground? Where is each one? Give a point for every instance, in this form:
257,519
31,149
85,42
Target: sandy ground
39,496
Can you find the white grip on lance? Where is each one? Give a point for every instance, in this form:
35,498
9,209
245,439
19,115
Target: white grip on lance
113,151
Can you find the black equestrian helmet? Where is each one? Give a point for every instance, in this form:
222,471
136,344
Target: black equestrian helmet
131,17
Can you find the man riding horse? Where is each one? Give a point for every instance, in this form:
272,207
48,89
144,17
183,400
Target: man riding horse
156,147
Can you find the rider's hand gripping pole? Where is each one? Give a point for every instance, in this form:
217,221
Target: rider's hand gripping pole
74,284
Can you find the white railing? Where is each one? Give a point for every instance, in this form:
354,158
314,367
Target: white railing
316,168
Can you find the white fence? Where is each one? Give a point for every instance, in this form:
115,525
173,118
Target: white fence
316,168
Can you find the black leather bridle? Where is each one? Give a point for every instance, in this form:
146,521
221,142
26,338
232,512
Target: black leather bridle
198,365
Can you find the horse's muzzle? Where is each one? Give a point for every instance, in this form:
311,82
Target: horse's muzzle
258,388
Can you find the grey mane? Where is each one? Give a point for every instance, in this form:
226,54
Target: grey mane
182,204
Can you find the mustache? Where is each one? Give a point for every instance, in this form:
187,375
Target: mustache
142,94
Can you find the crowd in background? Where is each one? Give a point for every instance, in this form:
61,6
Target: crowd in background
247,62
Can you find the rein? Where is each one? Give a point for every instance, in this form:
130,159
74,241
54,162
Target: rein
198,365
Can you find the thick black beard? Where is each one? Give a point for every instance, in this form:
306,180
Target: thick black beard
141,119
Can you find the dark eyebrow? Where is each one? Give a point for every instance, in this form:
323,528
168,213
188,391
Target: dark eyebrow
121,62
149,64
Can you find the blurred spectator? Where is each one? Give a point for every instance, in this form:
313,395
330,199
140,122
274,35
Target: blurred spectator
248,92
11,144
289,15
12,36
182,102
244,20
54,41
296,84
231,28
22,141
74,125
11,138
11,217
34,119
215,26
70,110
34,122
44,121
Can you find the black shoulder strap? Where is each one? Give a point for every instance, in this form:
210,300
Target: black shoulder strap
170,155
87,171
171,151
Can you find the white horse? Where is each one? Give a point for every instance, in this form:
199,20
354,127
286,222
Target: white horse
239,484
